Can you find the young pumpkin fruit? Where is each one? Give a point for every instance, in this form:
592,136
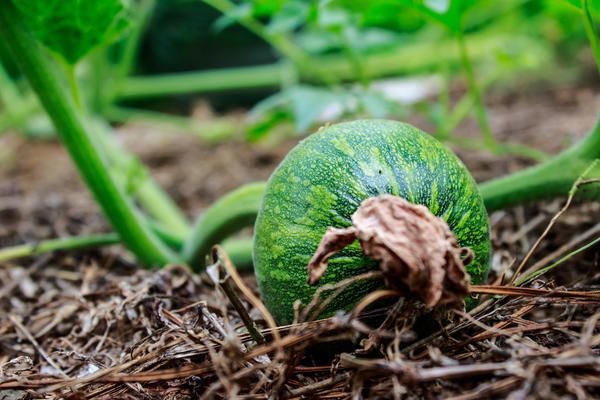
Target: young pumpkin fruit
322,182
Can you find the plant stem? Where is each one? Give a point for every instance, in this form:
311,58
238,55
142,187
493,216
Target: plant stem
239,250
240,253
503,148
482,118
404,59
442,132
590,30
72,78
262,76
17,117
127,60
549,179
9,95
228,215
280,41
214,130
68,243
124,217
153,199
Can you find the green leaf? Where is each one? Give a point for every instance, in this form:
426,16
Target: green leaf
594,4
292,15
72,28
377,105
308,103
238,13
438,6
302,104
446,12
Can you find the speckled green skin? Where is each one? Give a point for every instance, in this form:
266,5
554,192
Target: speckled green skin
321,183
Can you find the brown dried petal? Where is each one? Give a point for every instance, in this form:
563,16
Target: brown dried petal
416,250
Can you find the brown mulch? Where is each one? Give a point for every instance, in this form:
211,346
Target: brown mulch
91,324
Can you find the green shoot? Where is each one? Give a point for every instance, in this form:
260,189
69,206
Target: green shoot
480,111
45,80
46,246
213,130
133,175
239,250
228,215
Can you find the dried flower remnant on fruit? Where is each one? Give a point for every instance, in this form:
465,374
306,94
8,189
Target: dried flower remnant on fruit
416,250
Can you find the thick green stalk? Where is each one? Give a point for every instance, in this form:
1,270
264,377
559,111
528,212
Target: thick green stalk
549,179
125,218
228,215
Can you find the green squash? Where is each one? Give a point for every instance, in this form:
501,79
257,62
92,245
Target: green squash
322,182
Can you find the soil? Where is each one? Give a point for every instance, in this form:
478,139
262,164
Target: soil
79,313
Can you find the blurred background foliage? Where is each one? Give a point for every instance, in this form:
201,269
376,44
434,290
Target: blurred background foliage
297,64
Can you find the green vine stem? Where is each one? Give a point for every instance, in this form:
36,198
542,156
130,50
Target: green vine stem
549,179
590,30
280,41
121,212
480,111
403,60
238,250
214,130
228,215
67,243
151,197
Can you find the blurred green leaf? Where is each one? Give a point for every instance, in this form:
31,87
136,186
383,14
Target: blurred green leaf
377,106
242,11
438,6
302,104
445,12
263,127
71,28
293,14
308,103
307,106
594,5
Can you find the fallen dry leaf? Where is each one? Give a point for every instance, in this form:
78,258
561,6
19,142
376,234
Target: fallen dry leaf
416,250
